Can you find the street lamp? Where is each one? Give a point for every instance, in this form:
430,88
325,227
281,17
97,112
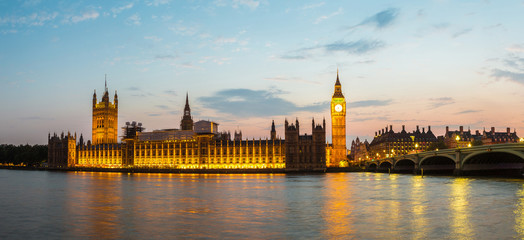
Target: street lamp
458,139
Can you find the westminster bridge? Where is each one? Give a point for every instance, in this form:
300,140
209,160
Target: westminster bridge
499,158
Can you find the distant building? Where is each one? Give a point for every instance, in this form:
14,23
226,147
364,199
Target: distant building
493,137
359,150
61,150
196,145
387,143
305,152
203,126
460,138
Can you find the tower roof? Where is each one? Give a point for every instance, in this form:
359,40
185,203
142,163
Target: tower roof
187,109
338,81
338,89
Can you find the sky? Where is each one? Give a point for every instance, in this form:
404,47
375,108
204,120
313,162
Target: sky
247,62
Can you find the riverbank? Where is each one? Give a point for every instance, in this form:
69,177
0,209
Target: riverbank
171,170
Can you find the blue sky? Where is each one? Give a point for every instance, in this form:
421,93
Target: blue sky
246,62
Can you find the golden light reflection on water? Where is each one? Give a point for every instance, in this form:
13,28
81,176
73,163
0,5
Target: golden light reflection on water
459,206
418,199
519,214
96,202
391,204
337,207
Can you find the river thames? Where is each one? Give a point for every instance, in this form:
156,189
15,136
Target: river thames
51,205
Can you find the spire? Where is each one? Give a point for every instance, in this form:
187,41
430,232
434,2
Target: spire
338,81
338,88
187,120
273,131
187,109
106,82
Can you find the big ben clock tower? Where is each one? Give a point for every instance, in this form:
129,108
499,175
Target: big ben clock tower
338,126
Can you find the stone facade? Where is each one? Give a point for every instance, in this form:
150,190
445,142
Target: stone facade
388,143
305,152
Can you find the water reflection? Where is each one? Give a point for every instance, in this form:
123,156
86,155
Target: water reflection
262,206
94,204
337,209
418,200
519,214
459,206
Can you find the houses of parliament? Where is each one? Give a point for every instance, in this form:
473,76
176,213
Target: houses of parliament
199,145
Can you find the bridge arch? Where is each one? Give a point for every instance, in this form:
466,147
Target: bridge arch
474,156
498,162
385,166
404,165
438,164
372,166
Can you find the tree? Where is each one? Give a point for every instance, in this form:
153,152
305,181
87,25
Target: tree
477,143
23,154
437,145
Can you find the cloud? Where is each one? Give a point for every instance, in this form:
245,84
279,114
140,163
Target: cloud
289,79
85,16
248,3
221,61
118,10
171,93
31,3
358,47
517,77
183,29
35,118
468,111
154,114
325,17
223,41
157,3
370,103
361,46
253,4
255,103
516,48
133,89
164,107
513,69
153,38
166,57
133,20
295,56
383,119
381,19
439,102
461,32
34,19
314,5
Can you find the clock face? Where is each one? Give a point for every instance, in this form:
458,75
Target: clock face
338,107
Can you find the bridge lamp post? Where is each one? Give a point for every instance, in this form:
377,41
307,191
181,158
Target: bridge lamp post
458,139
416,147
